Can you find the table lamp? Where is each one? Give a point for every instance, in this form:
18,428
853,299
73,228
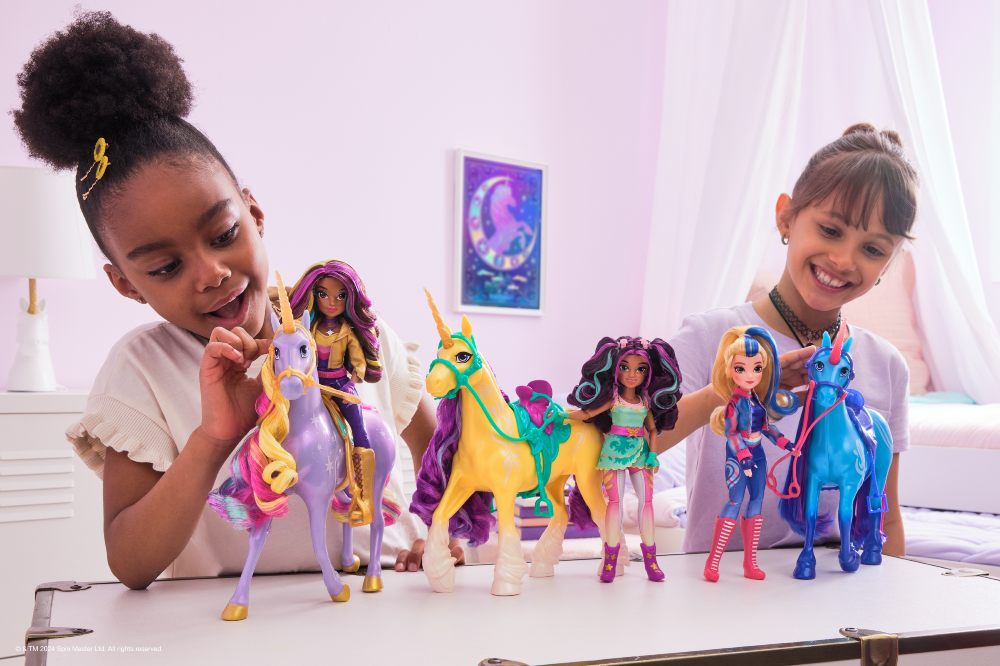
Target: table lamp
44,236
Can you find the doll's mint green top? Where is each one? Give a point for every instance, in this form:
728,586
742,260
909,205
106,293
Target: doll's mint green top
624,451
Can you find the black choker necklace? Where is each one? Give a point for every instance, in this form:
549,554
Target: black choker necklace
803,334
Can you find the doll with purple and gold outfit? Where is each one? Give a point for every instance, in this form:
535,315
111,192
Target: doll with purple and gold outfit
629,390
345,331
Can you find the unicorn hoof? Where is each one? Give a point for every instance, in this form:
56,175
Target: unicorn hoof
442,583
805,568
851,563
871,557
505,589
372,584
234,612
343,595
353,566
542,570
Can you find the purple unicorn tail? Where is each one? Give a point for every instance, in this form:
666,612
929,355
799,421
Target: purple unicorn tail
473,521
579,510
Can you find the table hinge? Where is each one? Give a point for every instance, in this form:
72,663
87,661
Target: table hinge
877,647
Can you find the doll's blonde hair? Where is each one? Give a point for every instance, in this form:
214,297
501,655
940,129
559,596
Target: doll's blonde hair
730,346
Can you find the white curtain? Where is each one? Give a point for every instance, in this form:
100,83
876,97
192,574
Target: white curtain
731,94
750,91
962,344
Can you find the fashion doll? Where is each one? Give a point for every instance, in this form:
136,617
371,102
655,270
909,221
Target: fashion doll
747,374
345,331
629,390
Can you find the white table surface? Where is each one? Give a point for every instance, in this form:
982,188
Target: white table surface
569,617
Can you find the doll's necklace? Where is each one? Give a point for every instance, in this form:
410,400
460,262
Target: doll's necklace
330,325
803,334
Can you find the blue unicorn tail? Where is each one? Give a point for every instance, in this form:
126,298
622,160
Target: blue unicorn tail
861,526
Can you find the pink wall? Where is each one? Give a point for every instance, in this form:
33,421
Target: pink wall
343,117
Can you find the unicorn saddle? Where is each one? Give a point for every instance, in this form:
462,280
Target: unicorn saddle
536,398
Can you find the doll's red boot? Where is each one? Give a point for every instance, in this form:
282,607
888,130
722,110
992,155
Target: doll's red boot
750,527
723,530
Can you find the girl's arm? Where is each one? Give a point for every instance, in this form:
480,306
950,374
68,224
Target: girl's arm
584,414
895,541
149,516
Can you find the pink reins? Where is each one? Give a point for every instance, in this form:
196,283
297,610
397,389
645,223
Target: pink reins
794,489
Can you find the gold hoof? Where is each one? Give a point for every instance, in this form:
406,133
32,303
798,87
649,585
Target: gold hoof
343,595
234,612
353,566
372,584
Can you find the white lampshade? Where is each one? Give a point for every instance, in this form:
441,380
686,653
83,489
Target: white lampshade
44,234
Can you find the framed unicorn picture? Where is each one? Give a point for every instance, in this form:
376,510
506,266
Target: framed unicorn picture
500,235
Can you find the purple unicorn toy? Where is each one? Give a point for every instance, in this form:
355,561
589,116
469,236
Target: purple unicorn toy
301,446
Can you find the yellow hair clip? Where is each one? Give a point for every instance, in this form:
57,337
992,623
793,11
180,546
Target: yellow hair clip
100,161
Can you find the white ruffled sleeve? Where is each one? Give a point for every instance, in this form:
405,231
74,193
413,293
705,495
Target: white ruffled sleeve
109,422
402,373
149,377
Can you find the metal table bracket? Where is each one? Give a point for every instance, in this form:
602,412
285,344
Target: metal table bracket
877,647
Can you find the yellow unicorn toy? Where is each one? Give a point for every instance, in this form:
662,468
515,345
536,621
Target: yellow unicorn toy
485,448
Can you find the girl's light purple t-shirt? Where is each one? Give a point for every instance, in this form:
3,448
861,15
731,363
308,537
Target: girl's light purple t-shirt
882,377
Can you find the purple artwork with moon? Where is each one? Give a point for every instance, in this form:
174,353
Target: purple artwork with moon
501,234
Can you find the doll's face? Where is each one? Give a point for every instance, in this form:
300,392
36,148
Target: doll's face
831,262
186,240
747,372
331,296
632,371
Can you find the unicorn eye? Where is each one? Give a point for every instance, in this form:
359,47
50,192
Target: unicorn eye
819,365
304,351
277,354
463,357
844,371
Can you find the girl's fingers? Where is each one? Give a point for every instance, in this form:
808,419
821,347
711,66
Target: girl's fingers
216,351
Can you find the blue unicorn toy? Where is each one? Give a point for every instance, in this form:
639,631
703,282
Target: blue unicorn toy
843,445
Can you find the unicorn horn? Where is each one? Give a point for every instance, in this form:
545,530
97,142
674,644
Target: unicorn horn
287,319
838,343
442,327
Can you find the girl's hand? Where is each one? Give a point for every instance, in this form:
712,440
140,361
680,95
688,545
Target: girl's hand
409,560
793,367
227,394
355,377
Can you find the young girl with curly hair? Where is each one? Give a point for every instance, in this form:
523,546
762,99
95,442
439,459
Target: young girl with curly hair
180,234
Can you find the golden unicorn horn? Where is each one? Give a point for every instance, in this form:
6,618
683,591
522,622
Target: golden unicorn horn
287,319
443,329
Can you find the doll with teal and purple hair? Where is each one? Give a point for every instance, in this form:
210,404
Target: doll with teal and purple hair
345,331
629,390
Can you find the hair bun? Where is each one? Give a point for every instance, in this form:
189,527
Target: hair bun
93,79
859,127
892,136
